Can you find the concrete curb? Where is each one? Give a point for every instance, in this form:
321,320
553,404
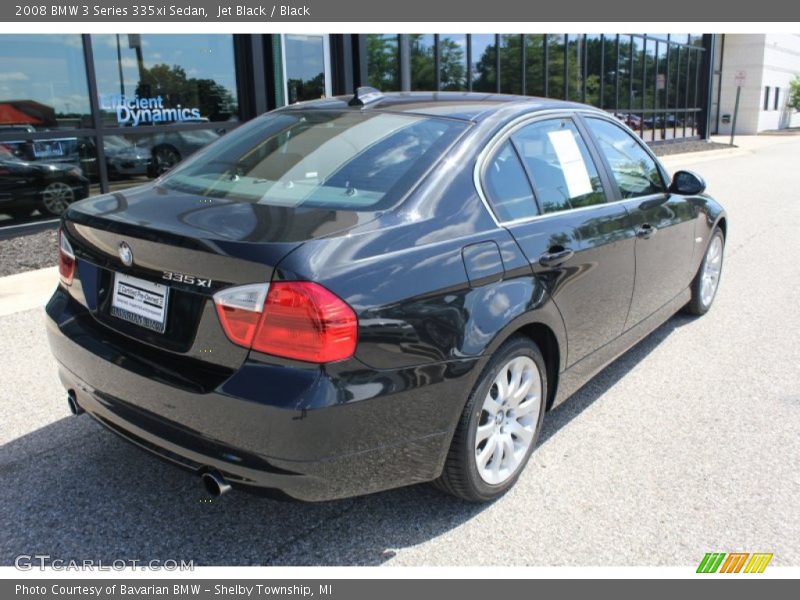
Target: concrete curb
28,290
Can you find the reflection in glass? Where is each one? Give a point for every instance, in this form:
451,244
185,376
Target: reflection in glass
633,168
535,65
484,63
637,71
594,74
511,64
45,175
624,61
661,91
610,71
128,160
575,67
152,79
507,186
383,61
564,175
329,159
423,61
453,62
305,67
42,83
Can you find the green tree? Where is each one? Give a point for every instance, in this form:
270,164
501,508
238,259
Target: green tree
794,93
452,65
213,99
423,62
383,66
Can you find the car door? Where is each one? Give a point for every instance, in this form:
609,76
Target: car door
545,188
664,222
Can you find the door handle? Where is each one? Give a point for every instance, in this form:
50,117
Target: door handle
553,259
646,231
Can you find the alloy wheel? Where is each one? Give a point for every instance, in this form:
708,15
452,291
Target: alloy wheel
57,196
711,271
508,420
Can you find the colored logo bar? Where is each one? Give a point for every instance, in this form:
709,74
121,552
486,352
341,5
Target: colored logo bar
735,562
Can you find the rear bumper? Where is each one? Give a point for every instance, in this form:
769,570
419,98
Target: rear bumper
310,433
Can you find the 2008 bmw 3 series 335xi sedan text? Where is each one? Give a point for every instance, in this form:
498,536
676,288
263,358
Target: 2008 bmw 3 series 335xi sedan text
359,293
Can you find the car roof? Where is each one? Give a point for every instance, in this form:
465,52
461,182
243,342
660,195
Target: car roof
467,106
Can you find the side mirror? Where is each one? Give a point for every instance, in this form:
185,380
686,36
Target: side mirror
687,183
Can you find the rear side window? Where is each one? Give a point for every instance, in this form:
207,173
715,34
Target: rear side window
343,160
507,186
634,170
563,173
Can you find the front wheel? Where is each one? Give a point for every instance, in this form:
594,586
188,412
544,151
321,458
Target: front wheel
500,425
706,282
164,158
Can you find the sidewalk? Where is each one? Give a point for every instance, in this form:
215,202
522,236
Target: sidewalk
24,291
743,144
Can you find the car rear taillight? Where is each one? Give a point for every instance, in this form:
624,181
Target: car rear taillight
66,259
294,319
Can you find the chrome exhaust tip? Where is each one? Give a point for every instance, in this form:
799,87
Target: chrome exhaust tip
215,483
72,402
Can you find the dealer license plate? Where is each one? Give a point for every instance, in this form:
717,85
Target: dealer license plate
140,302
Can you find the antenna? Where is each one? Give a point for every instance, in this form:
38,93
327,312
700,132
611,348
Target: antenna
365,95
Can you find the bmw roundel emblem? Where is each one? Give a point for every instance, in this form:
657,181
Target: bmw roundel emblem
125,254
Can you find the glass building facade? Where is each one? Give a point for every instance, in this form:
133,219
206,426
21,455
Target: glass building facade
656,83
87,114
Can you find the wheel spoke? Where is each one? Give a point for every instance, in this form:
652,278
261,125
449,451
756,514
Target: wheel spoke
497,457
527,408
486,452
484,431
514,385
522,434
490,405
508,452
501,381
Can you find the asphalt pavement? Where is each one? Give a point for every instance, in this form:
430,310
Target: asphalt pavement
687,444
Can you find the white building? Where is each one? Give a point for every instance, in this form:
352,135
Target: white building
768,63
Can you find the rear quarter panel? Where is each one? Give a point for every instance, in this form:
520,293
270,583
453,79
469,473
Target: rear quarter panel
405,276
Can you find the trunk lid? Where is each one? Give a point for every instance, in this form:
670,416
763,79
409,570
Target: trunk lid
194,246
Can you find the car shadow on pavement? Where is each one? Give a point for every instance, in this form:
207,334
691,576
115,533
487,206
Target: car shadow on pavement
74,491
608,377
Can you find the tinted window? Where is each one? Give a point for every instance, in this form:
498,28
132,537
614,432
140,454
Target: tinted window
383,61
341,160
562,170
635,171
507,186
305,67
153,79
42,83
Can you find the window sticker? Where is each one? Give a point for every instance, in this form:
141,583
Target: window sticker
569,155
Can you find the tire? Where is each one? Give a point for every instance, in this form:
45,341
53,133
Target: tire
706,281
468,472
164,158
56,197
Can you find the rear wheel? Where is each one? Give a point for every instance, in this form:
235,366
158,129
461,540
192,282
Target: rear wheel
56,197
500,424
706,282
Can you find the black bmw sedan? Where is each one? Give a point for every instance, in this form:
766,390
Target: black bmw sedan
359,293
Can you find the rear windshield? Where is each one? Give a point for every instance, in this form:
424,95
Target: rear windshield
329,159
